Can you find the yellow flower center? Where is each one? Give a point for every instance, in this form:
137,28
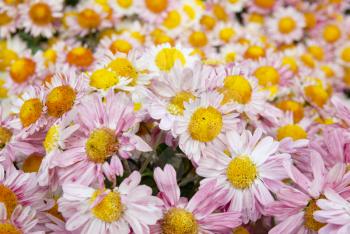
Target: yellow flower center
89,19
198,39
241,172
13,2
291,130
295,107
5,18
286,25
240,230
8,228
103,79
125,3
256,18
9,198
121,46
166,58
80,56
316,51
41,13
310,20
30,111
101,144
50,56
267,76
51,139
124,68
176,105
110,209
179,221
173,20
236,88
226,34
22,69
328,71
189,11
308,60
267,4
205,124
32,163
156,6
7,56
5,136
54,212
208,22
331,33
345,54
291,63
254,52
220,12
60,100
317,94
309,221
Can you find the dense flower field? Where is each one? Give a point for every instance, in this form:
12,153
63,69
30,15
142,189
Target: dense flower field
174,116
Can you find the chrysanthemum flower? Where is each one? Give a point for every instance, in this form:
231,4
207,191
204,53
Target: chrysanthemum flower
38,17
8,20
295,206
203,125
194,216
249,168
119,210
94,150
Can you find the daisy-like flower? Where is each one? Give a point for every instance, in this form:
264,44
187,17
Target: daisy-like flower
30,110
286,25
10,51
232,53
296,205
203,125
64,91
241,90
154,11
225,33
263,6
248,170
119,210
315,90
195,216
124,7
122,43
335,211
21,220
162,58
331,32
38,17
94,150
171,91
8,20
343,54
88,18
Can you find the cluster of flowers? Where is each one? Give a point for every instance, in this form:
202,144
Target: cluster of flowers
174,116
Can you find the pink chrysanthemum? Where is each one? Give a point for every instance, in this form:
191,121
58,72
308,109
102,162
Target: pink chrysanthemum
128,207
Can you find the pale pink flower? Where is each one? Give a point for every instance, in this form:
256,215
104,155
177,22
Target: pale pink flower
198,215
119,210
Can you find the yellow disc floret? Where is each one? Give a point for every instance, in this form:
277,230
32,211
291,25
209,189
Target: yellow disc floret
40,13
267,4
267,75
156,6
293,131
80,56
30,111
121,46
60,100
103,79
32,163
240,230
317,94
309,220
8,198
345,54
205,124
5,18
179,221
241,172
166,58
8,228
109,209
331,33
286,25
254,52
21,69
89,19
101,144
236,88
122,67
198,39
5,136
176,104
51,139
295,107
